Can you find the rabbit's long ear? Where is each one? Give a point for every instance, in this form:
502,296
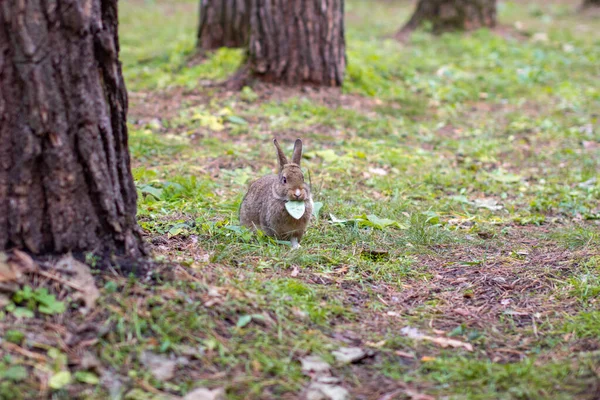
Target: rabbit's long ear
297,156
282,158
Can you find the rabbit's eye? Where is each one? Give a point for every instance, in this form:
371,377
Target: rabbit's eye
283,180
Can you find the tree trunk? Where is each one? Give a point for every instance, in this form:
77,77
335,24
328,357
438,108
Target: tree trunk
590,4
449,15
223,23
297,42
65,175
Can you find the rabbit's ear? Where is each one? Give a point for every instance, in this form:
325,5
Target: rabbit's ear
282,158
297,156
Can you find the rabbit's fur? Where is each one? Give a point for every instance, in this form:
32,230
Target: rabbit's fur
264,205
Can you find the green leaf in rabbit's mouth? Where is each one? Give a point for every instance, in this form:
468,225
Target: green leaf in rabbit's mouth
295,208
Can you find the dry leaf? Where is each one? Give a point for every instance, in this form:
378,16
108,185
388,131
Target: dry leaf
348,355
411,393
4,300
404,354
206,394
159,366
82,278
25,262
314,364
8,272
381,343
326,388
414,333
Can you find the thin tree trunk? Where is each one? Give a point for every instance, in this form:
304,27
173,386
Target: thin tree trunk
297,42
223,23
65,175
449,15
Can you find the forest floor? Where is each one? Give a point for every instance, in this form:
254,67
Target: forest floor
455,254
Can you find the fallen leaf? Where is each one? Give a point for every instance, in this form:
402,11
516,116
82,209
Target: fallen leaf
89,361
87,377
206,394
411,393
490,204
161,367
113,382
82,278
25,261
462,311
295,271
413,333
381,343
404,354
15,373
243,321
348,355
8,271
317,205
314,364
60,380
237,120
341,270
500,175
325,389
539,37
4,300
378,171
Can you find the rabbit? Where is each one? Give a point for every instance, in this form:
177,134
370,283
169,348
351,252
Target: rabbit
263,206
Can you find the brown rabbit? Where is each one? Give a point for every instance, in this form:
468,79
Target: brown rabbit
264,205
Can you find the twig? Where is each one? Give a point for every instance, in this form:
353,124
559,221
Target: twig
18,349
58,279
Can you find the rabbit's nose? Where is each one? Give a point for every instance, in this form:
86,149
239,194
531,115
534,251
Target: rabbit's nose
297,193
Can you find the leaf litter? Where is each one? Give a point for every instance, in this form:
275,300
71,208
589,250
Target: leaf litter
414,333
323,385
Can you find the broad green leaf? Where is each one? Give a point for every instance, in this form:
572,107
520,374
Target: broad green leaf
336,220
316,208
22,312
14,336
295,208
237,120
177,229
243,321
151,190
327,155
504,177
48,303
15,373
381,223
60,380
87,377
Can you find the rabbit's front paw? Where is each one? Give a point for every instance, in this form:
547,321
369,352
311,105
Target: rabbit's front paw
295,244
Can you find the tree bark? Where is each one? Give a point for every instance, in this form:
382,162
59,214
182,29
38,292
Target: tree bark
223,23
590,4
449,15
297,42
65,175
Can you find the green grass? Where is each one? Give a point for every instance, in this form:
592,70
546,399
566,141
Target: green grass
459,182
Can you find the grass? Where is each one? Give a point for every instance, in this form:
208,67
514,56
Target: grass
459,181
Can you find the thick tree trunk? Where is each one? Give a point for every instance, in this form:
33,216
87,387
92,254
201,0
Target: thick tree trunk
223,23
297,41
65,176
590,4
449,15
